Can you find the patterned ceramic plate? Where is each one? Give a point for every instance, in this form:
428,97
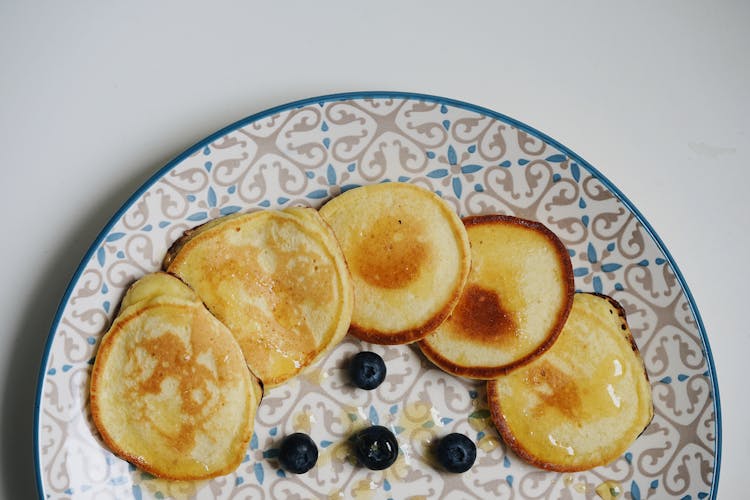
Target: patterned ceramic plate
480,162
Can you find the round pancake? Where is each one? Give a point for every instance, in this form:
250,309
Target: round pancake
409,258
515,302
277,279
170,390
584,401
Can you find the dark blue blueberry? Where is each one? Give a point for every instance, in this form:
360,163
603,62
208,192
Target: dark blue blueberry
298,453
367,370
456,452
376,447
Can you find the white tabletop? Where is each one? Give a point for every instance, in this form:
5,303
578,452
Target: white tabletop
95,96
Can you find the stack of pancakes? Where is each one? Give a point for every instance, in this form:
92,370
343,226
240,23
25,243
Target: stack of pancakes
253,299
492,297
170,390
246,301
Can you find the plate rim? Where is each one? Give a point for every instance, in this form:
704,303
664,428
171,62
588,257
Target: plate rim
360,95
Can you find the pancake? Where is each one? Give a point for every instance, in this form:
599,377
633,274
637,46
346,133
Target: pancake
515,301
584,401
170,390
277,279
409,258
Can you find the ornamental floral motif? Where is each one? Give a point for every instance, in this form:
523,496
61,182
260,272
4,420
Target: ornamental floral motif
479,162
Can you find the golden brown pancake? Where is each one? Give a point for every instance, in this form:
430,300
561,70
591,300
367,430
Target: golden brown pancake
170,390
584,401
277,279
409,258
514,304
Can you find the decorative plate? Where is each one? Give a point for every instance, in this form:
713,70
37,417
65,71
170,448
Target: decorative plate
480,161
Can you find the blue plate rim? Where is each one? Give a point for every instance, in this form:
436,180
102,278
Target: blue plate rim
344,96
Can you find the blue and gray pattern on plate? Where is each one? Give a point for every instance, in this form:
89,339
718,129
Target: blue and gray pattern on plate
480,162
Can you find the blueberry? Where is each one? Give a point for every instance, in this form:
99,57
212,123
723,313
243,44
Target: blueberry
298,453
376,447
456,452
367,370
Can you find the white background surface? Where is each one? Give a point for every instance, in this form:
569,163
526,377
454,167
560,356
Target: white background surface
95,96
